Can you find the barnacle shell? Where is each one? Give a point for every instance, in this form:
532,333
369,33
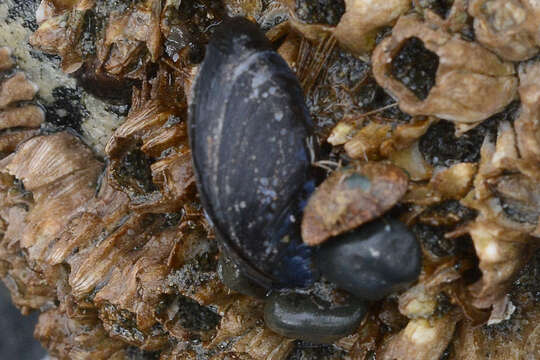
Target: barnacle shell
358,26
377,139
60,30
527,125
421,339
249,140
16,88
507,27
451,183
455,20
350,197
126,33
19,119
506,195
471,83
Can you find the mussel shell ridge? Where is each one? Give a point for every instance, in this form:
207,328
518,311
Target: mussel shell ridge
249,130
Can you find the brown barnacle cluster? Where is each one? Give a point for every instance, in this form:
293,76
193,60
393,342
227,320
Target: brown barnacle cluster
153,141
107,277
506,195
19,118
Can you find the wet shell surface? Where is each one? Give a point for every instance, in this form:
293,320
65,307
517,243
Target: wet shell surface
249,131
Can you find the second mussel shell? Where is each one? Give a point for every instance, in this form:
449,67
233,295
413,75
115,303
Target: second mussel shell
250,131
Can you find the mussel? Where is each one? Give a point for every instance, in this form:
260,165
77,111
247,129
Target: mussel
251,134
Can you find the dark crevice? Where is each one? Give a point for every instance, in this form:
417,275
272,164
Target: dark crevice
320,11
416,67
66,111
441,7
440,146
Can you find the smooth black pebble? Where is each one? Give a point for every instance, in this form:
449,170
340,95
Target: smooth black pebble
372,261
309,318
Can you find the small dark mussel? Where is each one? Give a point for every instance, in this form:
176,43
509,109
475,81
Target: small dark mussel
250,132
372,261
308,317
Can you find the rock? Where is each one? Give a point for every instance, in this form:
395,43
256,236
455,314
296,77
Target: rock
372,261
309,318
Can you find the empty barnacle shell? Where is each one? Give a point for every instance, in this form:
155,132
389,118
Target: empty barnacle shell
249,130
509,28
470,83
350,197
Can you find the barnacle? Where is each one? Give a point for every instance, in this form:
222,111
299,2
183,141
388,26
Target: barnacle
60,29
111,243
470,84
357,28
18,117
506,195
509,28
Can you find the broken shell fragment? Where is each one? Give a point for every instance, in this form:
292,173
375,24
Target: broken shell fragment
470,84
350,197
249,131
372,261
507,27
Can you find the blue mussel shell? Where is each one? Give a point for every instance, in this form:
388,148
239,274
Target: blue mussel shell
250,135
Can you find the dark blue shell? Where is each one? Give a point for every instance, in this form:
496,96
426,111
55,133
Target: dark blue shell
249,130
